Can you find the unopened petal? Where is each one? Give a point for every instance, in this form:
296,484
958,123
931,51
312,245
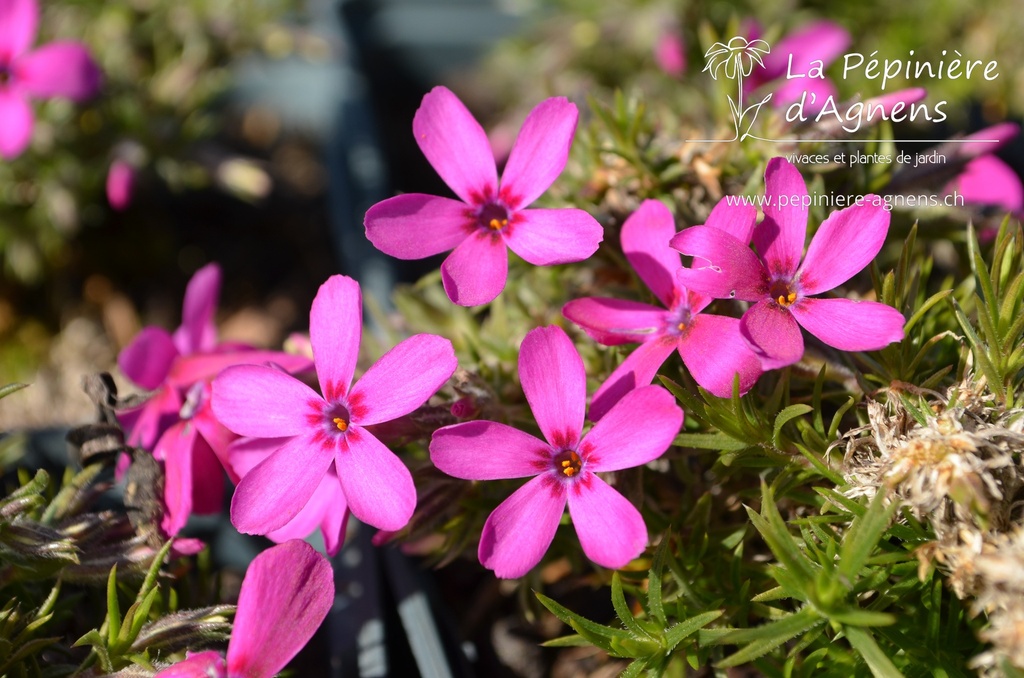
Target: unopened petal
403,379
850,325
197,332
637,429
540,151
555,384
544,237
475,272
845,243
415,225
487,450
456,146
518,533
611,530
147,360
286,593
773,334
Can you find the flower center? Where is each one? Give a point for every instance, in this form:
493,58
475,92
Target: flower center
568,463
493,216
783,293
337,418
678,320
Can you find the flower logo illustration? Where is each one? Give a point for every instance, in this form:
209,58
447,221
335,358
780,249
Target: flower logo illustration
737,59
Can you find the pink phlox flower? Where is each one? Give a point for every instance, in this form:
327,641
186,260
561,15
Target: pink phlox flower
670,52
710,345
176,422
637,429
285,596
799,52
985,179
58,69
489,217
328,431
780,286
326,508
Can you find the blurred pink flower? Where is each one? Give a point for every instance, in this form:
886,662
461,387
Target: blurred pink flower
639,428
670,53
120,184
710,345
176,422
59,69
780,279
321,433
986,180
489,217
822,41
285,596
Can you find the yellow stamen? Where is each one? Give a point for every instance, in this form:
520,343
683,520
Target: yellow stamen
341,424
498,225
681,326
571,466
786,300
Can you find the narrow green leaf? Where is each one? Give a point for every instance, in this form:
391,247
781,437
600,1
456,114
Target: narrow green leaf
113,609
635,668
786,415
924,308
862,641
863,536
623,611
574,640
773,530
980,354
654,595
598,634
858,617
676,634
710,441
8,389
763,639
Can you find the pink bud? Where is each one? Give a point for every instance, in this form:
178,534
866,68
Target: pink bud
120,184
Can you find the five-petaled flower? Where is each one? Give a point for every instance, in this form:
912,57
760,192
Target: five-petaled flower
324,432
490,216
176,422
59,69
286,593
638,429
781,286
710,345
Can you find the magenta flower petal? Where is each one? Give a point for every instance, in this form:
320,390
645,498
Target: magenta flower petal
259,401
723,267
158,413
540,152
813,92
714,352
638,369
645,237
207,479
456,146
335,330
286,593
773,334
850,325
18,20
519,532
415,225
147,360
553,236
16,130
120,184
377,485
639,428
738,220
175,448
888,102
278,487
615,321
611,530
670,53
59,69
487,450
846,242
403,379
207,664
987,180
780,236
555,384
197,332
327,506
819,40
475,272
